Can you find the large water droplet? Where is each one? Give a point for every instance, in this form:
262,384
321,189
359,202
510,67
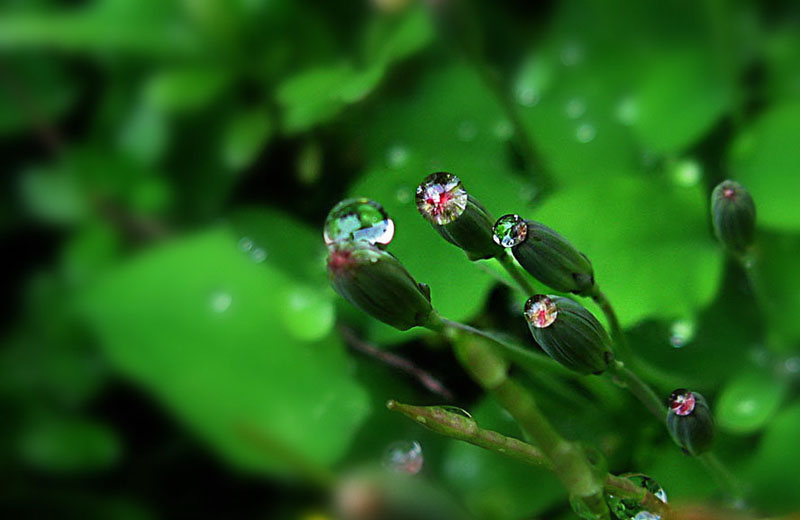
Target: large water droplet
397,156
682,402
575,108
221,301
631,509
681,332
585,133
441,198
510,230
540,311
404,457
467,131
358,219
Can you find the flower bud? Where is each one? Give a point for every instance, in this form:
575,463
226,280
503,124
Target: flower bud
689,421
545,254
377,283
733,214
456,215
569,333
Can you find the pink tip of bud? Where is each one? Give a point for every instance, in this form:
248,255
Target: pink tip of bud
682,402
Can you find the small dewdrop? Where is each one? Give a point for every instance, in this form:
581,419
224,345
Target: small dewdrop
631,509
441,198
541,311
682,402
404,457
510,230
357,220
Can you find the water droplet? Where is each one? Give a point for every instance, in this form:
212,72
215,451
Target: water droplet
526,95
585,133
540,311
687,173
682,402
571,54
358,219
575,108
503,130
467,131
627,111
456,409
441,198
632,509
792,365
510,230
258,255
397,156
681,332
245,244
221,301
404,457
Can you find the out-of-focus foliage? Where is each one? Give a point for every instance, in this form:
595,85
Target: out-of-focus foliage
171,346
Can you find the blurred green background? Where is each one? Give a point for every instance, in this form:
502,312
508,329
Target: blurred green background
170,346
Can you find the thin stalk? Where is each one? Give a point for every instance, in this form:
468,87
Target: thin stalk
512,268
466,429
490,371
639,389
722,475
751,265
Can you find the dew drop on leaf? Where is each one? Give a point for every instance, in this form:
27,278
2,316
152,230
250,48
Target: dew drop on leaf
509,230
540,311
441,198
404,457
631,509
358,219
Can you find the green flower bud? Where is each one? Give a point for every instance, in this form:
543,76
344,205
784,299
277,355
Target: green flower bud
569,333
456,215
689,421
733,214
545,254
377,283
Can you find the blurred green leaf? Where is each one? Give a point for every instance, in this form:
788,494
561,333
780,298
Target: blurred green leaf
185,89
197,323
748,401
246,135
775,487
495,487
68,445
777,273
648,241
145,134
765,159
450,123
53,196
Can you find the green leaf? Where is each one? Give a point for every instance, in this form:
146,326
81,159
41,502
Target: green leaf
748,401
68,445
185,89
765,159
777,272
144,135
198,324
53,196
680,97
775,487
450,123
648,241
493,486
246,135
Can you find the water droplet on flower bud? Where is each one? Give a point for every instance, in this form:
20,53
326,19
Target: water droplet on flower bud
682,402
630,509
540,311
441,198
358,219
404,457
510,230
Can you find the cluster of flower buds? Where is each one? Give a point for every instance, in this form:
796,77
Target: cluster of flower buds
545,254
363,273
569,333
690,422
733,215
456,215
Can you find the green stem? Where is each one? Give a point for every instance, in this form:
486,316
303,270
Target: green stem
722,475
751,265
490,371
466,429
639,389
513,269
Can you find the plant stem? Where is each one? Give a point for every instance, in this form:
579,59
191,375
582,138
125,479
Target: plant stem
455,426
722,475
511,266
491,372
751,265
639,388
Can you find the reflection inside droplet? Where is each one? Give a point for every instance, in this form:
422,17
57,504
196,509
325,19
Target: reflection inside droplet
632,509
510,230
404,457
541,311
358,219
